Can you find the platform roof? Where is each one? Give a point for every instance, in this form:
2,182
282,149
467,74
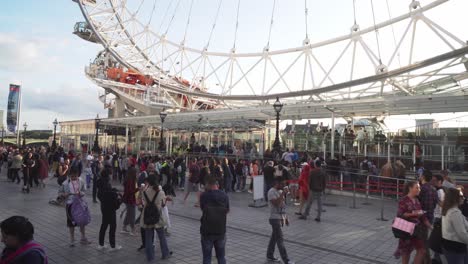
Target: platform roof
256,117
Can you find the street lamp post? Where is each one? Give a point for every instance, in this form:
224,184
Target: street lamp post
54,141
3,135
162,115
25,125
278,106
96,148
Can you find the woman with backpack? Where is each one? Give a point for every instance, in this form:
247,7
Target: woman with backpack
70,188
151,218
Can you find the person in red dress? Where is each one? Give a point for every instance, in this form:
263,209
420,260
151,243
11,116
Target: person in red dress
409,208
303,186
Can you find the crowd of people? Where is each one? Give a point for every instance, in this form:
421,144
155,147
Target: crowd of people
145,184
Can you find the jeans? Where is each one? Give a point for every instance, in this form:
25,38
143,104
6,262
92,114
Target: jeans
219,246
277,239
15,175
314,195
26,175
240,182
108,219
182,180
130,216
149,250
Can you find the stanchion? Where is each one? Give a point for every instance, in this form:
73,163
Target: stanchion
366,202
381,218
398,189
354,196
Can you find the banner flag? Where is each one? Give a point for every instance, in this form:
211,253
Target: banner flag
13,107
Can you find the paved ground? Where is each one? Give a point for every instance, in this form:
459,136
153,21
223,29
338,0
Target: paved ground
345,235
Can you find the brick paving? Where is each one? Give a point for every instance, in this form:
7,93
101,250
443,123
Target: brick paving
345,235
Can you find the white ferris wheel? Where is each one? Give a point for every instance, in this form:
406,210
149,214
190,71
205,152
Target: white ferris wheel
218,51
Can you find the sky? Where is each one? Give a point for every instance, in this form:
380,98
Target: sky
39,51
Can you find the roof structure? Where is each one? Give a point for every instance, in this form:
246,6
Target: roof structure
256,117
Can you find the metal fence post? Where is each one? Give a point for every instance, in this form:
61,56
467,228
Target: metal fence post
367,192
354,196
397,189
381,218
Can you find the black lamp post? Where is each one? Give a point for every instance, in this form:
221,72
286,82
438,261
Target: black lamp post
3,135
96,148
54,141
162,115
25,125
278,106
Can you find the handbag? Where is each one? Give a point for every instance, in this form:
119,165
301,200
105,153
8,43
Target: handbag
403,228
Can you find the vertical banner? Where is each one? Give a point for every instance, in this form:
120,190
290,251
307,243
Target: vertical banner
13,107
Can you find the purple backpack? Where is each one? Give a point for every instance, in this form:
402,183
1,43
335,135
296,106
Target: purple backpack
80,211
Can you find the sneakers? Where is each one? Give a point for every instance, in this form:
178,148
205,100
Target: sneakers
99,247
168,256
303,217
273,259
291,262
72,244
317,219
85,241
116,248
124,230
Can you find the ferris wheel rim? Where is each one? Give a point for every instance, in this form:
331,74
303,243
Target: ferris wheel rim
310,46
172,87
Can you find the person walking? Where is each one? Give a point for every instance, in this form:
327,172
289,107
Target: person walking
16,164
151,219
129,199
454,228
214,204
110,202
317,183
69,188
28,164
96,167
276,199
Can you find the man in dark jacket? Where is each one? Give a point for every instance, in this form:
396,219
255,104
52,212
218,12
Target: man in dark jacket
317,183
214,204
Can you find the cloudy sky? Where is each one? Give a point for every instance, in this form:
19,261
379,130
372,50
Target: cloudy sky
39,51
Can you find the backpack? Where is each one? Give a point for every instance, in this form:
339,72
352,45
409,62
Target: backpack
80,212
152,215
213,221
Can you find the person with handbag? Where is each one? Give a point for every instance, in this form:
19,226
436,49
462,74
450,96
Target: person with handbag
74,186
454,228
409,208
151,219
